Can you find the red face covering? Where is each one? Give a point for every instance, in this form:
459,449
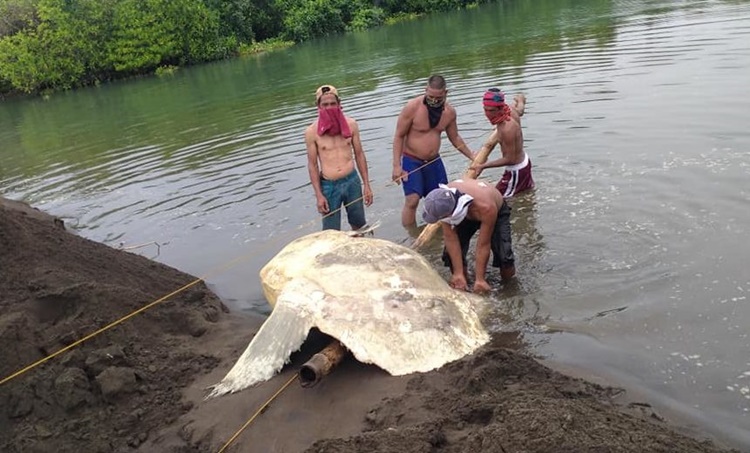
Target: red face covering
496,99
331,121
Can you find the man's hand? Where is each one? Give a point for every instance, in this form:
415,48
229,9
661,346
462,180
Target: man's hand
481,287
399,174
477,168
322,204
368,195
458,281
520,103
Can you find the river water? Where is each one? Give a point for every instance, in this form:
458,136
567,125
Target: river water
630,251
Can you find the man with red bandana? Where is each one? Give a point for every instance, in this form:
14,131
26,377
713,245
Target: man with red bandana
331,139
416,145
507,121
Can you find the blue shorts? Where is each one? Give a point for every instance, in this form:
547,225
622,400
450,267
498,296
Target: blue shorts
424,180
344,192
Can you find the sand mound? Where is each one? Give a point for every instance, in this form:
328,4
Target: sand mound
114,389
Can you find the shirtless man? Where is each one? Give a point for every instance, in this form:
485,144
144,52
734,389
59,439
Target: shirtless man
507,121
416,143
463,207
330,140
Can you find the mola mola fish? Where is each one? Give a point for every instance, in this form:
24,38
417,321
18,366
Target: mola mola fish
384,302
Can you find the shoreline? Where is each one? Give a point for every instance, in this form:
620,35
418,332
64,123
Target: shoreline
141,386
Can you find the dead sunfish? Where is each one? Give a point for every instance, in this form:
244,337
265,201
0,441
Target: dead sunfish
383,301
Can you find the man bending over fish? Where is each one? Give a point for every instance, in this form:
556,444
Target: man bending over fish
463,207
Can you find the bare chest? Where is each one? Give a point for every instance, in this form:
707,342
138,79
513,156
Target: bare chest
508,133
327,143
421,121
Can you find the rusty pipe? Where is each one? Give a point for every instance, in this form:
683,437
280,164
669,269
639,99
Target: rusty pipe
321,364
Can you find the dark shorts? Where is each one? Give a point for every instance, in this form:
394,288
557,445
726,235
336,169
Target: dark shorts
500,243
424,180
344,192
516,180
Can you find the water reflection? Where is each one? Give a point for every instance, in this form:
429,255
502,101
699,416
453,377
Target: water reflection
516,302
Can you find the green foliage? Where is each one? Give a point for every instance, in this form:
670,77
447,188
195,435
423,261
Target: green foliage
306,19
401,17
140,38
15,15
264,46
59,44
366,18
146,33
248,20
394,7
167,70
57,53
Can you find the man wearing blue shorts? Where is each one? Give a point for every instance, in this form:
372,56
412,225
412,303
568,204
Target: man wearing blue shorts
333,146
416,145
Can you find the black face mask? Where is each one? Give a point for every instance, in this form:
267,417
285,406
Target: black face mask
434,111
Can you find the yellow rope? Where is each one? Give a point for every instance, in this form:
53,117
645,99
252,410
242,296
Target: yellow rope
257,413
124,318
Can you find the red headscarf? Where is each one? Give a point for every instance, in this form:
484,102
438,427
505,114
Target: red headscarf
331,121
496,98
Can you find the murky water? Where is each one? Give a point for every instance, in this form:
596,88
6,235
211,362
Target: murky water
631,251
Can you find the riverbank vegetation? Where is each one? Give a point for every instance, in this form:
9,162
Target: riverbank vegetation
62,44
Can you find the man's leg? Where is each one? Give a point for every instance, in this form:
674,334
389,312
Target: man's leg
413,190
355,206
501,243
332,192
507,184
409,213
525,180
434,174
413,230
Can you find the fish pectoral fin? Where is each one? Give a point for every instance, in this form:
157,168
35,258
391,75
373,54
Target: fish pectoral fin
280,335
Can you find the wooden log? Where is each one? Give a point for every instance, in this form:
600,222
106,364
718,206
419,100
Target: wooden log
321,364
429,231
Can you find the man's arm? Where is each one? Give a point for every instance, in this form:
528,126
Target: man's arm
520,104
314,170
499,162
488,217
361,160
403,125
452,132
453,247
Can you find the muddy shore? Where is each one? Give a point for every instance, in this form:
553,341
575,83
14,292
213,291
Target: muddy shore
140,386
